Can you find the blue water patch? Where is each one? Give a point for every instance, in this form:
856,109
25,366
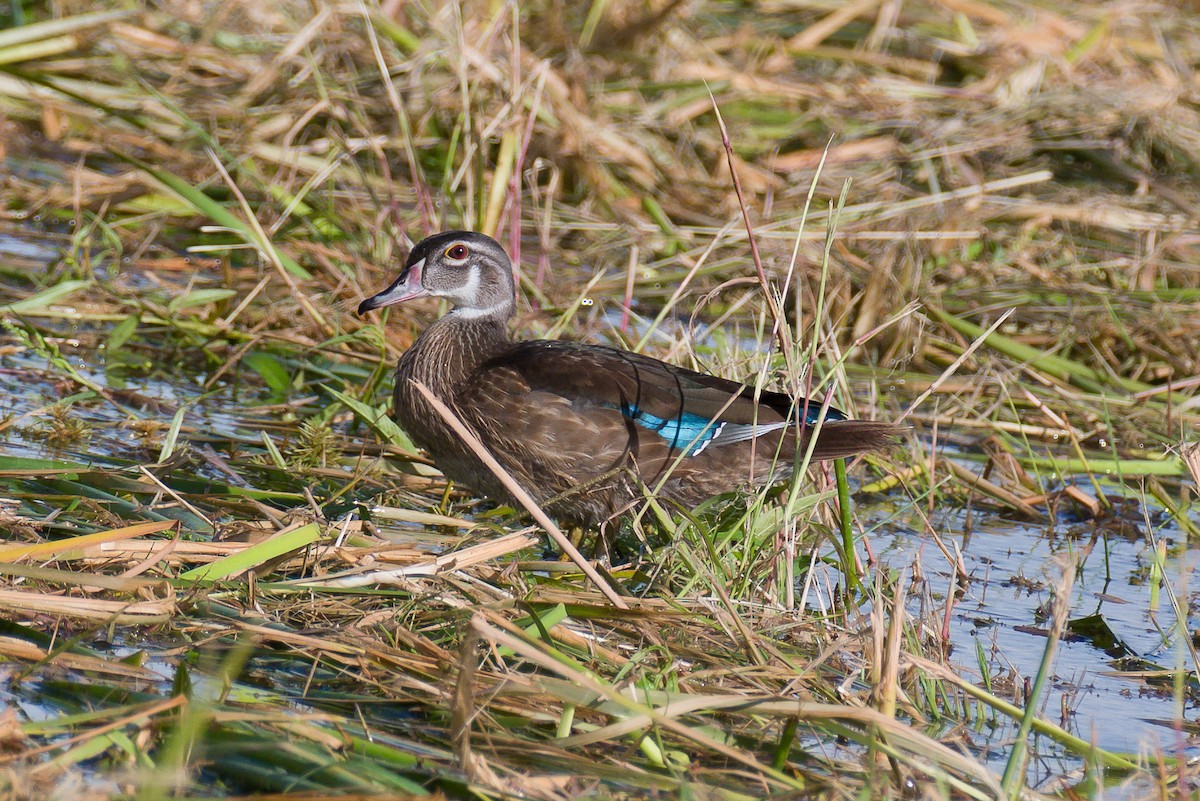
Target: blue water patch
27,249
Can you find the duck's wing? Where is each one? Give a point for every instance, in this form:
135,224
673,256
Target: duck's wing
612,403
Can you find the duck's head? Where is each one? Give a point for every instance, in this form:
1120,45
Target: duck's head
468,269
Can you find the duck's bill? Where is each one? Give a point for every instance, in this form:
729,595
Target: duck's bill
406,287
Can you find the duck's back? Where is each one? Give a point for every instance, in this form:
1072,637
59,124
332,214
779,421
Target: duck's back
586,428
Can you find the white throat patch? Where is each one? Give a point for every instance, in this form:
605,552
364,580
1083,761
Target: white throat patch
471,288
475,314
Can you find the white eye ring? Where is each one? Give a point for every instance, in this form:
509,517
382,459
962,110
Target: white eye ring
457,252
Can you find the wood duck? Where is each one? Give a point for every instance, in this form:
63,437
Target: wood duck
585,428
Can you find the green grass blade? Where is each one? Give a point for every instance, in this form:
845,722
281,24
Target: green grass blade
255,555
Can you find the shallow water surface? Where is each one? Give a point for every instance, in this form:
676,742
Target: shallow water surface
1003,614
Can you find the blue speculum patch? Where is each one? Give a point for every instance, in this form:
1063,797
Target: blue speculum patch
812,413
693,432
690,431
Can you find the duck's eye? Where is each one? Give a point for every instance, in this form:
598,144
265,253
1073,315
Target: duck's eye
457,252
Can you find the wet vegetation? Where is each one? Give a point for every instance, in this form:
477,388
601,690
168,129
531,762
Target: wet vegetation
225,571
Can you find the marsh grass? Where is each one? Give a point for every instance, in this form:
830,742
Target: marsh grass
975,218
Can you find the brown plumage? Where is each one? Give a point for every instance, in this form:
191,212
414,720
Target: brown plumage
584,428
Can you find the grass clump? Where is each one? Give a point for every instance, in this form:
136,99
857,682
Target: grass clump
61,428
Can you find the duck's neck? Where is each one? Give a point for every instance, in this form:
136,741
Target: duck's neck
447,353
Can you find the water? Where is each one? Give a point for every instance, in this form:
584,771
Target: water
26,249
114,429
1004,611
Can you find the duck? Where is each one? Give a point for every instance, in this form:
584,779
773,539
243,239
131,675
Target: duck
587,430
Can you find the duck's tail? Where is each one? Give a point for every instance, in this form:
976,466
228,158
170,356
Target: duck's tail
844,438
